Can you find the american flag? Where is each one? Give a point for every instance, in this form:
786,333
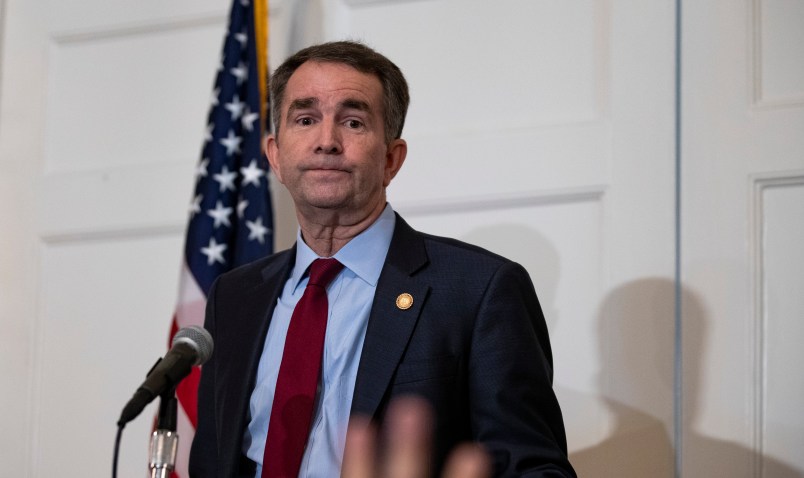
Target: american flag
231,219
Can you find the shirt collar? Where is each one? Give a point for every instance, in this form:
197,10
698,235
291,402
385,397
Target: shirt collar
364,254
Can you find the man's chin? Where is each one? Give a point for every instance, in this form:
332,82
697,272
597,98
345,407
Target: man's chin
325,204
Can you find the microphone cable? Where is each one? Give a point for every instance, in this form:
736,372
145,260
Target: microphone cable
116,453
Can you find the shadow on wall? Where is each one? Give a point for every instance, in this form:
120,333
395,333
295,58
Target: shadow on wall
637,331
705,455
634,334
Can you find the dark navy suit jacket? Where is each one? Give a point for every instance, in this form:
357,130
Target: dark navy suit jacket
474,344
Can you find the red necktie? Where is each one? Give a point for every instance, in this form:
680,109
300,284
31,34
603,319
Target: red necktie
292,410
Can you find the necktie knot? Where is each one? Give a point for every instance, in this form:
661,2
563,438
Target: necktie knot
322,271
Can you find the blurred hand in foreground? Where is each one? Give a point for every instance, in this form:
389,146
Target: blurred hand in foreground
407,436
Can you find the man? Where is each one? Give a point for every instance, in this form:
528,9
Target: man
408,313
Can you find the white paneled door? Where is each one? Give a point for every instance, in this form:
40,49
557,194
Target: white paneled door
742,236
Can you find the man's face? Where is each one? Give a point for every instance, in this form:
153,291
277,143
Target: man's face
331,151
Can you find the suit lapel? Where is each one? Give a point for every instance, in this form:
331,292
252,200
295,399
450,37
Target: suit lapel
254,314
246,337
390,326
258,312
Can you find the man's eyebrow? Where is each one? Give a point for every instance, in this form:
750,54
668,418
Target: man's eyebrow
309,102
301,104
353,104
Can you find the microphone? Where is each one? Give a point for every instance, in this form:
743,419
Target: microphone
191,346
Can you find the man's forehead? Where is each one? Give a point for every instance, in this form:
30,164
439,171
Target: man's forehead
330,65
314,78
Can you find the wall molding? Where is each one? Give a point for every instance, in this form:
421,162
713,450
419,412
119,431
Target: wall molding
128,29
758,99
113,234
759,184
122,30
361,3
71,210
503,201
451,205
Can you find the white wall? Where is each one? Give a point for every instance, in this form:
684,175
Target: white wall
542,130
21,120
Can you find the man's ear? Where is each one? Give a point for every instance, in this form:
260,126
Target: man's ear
271,150
394,157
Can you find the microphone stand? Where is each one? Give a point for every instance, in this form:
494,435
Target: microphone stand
164,440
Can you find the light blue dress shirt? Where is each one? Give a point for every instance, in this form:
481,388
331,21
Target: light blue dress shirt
350,296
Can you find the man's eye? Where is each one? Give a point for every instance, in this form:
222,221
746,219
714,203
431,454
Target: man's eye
305,121
354,124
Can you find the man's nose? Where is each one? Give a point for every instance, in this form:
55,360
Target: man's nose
329,140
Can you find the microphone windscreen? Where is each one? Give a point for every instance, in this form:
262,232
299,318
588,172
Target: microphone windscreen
198,338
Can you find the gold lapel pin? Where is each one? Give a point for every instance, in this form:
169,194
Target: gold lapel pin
404,301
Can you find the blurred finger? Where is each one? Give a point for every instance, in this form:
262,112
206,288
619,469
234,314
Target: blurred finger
408,441
359,451
468,461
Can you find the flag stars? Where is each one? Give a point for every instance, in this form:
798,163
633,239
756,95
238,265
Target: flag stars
214,252
251,174
195,205
225,179
201,169
241,207
256,230
224,210
240,72
232,143
220,215
248,119
235,107
241,38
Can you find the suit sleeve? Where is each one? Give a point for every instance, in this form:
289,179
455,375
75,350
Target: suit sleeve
204,451
514,411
